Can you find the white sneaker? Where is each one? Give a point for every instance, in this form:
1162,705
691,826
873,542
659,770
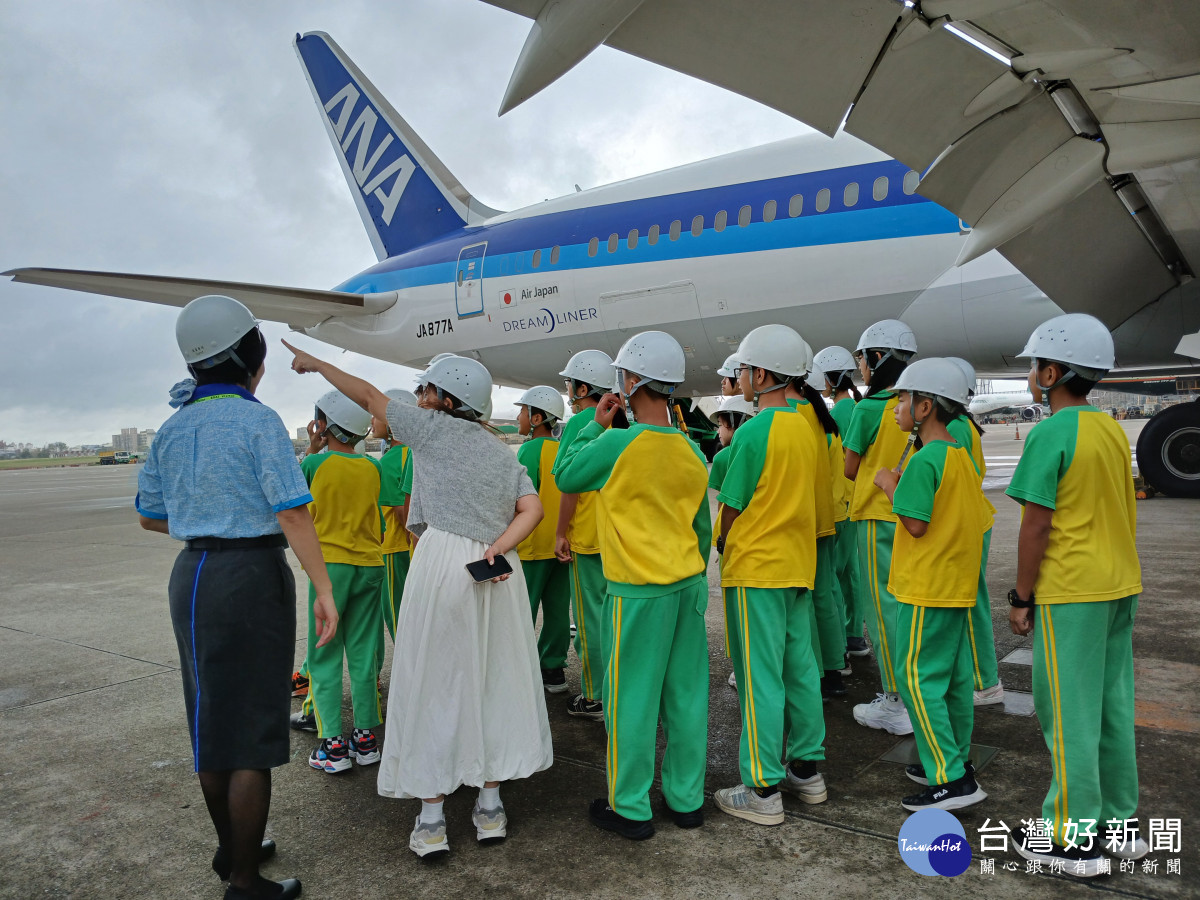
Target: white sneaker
743,802
808,790
990,696
733,680
490,824
429,837
885,712
1113,843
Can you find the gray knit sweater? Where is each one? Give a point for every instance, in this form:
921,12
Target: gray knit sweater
465,480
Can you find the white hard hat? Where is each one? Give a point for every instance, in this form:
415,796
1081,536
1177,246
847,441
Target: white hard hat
727,367
465,378
592,367
486,413
937,377
402,395
1076,339
968,371
733,404
340,410
656,357
210,325
835,359
776,348
436,358
545,398
890,334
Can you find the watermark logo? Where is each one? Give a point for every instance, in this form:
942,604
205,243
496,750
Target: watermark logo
933,842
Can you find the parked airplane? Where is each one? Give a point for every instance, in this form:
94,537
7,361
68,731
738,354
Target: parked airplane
824,235
1020,401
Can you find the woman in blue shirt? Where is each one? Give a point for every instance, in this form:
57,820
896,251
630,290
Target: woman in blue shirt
222,476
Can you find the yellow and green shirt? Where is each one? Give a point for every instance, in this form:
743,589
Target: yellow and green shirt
877,439
345,506
651,485
582,529
1077,463
716,475
773,542
537,456
821,474
395,470
842,412
964,432
941,568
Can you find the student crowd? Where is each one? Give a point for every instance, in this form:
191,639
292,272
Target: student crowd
871,511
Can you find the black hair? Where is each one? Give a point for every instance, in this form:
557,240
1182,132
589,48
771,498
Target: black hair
842,381
251,349
728,416
813,396
1077,385
547,419
732,382
970,418
886,374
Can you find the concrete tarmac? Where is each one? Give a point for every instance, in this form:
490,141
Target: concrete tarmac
98,797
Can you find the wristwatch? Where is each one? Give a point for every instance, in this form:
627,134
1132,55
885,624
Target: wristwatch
1014,600
721,543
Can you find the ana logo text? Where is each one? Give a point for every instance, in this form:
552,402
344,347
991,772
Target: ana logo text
363,168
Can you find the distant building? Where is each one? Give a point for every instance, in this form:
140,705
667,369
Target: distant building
302,434
127,440
145,439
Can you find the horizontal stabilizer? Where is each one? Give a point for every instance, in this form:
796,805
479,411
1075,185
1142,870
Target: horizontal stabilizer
298,307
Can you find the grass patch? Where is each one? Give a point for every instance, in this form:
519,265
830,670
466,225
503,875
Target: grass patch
48,463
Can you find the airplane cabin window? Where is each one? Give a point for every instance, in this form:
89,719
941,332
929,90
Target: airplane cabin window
769,211
652,235
744,216
720,220
554,251
537,258
822,199
613,239
850,194
676,228
697,226
593,246
911,180
879,190
796,205
632,241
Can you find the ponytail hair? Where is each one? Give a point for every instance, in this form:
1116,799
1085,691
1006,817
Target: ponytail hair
842,381
813,396
885,375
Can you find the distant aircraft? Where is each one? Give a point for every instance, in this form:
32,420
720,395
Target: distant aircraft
1018,401
824,235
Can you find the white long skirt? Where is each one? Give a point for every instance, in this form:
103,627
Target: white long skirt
466,703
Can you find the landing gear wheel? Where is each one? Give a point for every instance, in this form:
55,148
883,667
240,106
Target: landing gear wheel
1168,450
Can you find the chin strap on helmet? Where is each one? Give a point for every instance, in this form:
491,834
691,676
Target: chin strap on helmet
642,381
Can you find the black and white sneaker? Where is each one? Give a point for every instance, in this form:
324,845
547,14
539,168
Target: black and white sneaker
917,772
832,684
364,747
609,819
1074,861
958,794
554,680
857,646
304,722
586,709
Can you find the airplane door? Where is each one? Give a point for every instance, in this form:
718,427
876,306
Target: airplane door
468,281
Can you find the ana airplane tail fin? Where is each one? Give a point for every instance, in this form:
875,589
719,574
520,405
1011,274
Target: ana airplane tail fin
404,193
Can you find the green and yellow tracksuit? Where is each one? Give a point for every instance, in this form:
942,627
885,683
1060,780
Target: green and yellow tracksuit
985,670
650,485
934,578
345,512
767,573
848,570
1077,463
547,579
587,572
716,475
395,488
877,439
829,643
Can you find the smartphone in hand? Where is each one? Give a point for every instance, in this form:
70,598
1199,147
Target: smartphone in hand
481,571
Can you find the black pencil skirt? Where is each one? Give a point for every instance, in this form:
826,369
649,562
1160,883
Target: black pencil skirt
234,614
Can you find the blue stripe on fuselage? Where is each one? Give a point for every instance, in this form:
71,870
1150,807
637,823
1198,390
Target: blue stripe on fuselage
511,244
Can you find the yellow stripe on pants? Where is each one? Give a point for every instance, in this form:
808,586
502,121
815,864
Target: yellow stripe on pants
914,679
752,718
1059,754
611,704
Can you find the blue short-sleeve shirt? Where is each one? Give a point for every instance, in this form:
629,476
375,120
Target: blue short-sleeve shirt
221,466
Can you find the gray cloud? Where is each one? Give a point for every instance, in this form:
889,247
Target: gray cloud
181,139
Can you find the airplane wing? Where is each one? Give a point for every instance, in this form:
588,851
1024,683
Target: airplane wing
1066,132
298,307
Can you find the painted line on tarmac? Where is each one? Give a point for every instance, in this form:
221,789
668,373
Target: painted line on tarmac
87,690
48,637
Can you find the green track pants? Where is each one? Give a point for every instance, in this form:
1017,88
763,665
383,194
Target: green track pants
395,570
778,682
356,594
829,648
1083,694
875,555
983,639
549,585
657,669
849,574
588,590
934,656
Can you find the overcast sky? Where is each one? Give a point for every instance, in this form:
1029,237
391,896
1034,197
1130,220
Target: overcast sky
182,139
